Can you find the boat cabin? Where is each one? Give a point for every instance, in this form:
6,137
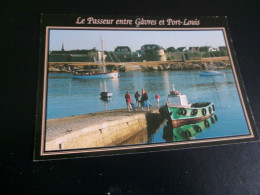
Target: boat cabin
106,94
177,100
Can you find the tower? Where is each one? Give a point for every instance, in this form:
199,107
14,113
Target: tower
63,47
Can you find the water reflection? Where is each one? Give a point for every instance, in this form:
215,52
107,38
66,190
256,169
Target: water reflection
187,132
105,101
114,82
140,137
154,123
169,134
146,135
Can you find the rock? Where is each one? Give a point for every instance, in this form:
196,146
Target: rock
53,69
121,68
154,68
204,66
196,66
165,66
160,68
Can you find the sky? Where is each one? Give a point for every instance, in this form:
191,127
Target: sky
88,39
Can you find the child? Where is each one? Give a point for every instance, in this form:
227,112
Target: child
133,106
157,97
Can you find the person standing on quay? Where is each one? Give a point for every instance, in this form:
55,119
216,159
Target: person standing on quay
137,95
128,101
157,97
144,100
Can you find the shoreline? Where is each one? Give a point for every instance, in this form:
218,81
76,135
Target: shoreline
202,64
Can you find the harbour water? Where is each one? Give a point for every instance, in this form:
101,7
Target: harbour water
68,97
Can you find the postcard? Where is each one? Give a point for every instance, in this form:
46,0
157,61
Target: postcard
118,85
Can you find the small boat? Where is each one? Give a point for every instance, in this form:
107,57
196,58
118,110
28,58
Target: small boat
106,94
180,112
189,131
211,73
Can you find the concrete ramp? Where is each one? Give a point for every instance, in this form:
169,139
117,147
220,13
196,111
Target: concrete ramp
101,129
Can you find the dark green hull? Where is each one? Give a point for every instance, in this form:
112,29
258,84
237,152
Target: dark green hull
180,116
187,132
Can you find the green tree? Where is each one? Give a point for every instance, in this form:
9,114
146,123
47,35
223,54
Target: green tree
223,53
205,48
206,55
170,49
149,51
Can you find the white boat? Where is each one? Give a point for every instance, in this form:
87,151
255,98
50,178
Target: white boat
211,73
103,74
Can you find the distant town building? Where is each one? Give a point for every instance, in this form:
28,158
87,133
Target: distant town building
194,49
122,50
136,54
213,49
208,49
74,55
63,47
149,48
152,52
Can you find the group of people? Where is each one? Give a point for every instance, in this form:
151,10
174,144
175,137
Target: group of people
143,101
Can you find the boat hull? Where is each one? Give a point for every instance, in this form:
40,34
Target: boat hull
189,131
181,122
180,116
114,74
106,94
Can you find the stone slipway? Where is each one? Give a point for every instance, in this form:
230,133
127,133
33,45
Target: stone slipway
97,129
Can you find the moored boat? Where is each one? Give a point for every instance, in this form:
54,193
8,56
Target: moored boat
106,94
180,112
104,74
189,131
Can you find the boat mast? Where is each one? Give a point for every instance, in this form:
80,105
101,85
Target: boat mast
102,55
105,86
173,88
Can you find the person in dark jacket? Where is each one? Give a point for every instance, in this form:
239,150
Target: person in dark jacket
137,95
144,100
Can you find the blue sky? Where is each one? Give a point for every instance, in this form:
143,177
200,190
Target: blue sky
88,39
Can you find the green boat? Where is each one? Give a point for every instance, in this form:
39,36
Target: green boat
188,132
180,112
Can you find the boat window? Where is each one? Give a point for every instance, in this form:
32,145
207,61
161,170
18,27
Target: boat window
174,100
